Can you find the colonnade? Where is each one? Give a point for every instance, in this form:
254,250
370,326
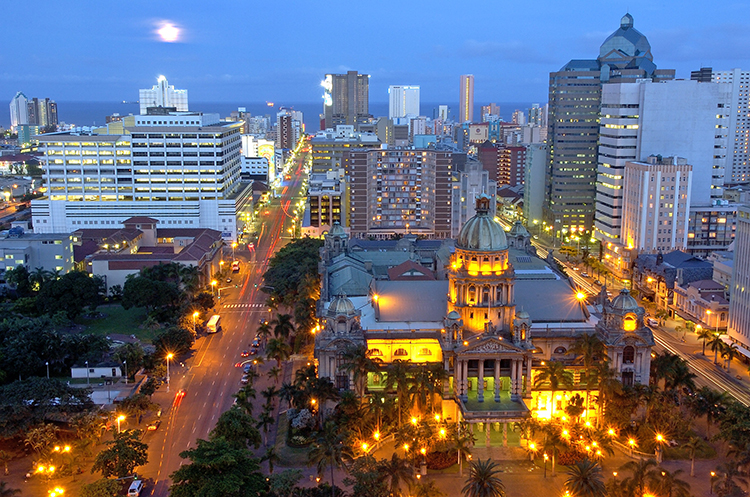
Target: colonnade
518,388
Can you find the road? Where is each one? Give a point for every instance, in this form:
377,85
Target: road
209,377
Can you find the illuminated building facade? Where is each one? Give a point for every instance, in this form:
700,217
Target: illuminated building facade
163,95
466,99
403,101
346,99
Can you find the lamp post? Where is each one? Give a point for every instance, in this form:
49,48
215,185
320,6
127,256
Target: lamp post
234,246
120,418
545,464
88,381
46,363
711,488
195,315
126,371
213,287
169,357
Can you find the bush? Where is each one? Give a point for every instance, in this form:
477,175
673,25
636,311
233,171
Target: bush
298,441
571,457
441,460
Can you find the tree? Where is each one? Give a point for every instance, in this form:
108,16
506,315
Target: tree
271,457
585,479
283,484
264,422
136,405
555,374
19,277
293,264
330,450
636,483
237,426
41,437
483,480
668,484
463,444
269,394
243,397
358,363
282,326
427,489
101,488
707,402
588,349
125,453
6,491
5,458
274,373
692,446
132,354
396,472
218,468
366,479
397,374
71,293
729,352
717,345
279,350
175,340
705,334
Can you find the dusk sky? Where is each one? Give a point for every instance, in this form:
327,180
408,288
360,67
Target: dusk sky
250,50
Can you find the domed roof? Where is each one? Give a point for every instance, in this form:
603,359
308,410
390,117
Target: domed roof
337,230
454,315
482,232
341,305
625,42
519,229
523,315
624,302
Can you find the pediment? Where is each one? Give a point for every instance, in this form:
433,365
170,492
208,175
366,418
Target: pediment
490,345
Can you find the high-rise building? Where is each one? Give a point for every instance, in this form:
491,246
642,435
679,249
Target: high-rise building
42,113
163,95
400,191
346,99
533,183
738,136
442,112
679,118
519,117
537,115
739,305
574,106
490,112
180,168
328,148
468,185
403,101
466,99
19,110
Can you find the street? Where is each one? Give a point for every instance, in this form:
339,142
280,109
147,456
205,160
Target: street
209,377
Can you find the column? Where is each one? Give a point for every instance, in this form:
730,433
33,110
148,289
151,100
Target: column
457,378
513,380
487,434
529,383
465,381
505,434
480,382
497,380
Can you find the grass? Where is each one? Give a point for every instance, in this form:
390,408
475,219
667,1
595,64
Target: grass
288,456
118,320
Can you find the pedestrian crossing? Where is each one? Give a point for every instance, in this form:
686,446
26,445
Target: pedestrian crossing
243,304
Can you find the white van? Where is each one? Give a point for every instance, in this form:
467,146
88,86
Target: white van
214,324
135,488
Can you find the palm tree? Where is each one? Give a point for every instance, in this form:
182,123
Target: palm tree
427,489
555,374
271,457
585,479
552,443
395,472
588,349
705,334
463,444
5,458
264,331
5,491
358,363
483,480
398,375
265,420
717,345
282,326
707,402
290,393
330,450
279,350
243,397
730,352
729,475
269,394
668,484
639,469
692,446
606,379
274,373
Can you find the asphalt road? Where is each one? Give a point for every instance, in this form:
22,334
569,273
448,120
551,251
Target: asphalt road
209,378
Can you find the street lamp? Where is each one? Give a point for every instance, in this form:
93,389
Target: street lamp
169,357
125,363
88,381
46,363
632,444
213,287
234,246
195,315
120,419
546,457
711,488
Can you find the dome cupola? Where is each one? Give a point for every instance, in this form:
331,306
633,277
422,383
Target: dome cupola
482,232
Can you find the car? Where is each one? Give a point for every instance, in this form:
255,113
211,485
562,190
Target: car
229,280
244,353
597,282
180,394
256,344
253,351
585,275
154,426
247,368
245,380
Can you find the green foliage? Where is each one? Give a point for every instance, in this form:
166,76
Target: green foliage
125,453
140,291
483,480
19,278
6,491
133,354
238,427
101,488
291,270
148,387
366,478
282,484
175,340
218,468
136,405
585,479
71,293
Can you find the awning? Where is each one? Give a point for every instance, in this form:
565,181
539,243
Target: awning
742,349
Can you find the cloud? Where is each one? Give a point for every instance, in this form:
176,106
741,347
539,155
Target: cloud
717,42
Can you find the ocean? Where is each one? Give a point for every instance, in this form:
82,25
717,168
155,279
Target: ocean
94,113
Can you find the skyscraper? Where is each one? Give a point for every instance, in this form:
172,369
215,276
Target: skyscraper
42,113
466,99
739,304
346,99
19,110
163,95
403,101
574,106
738,136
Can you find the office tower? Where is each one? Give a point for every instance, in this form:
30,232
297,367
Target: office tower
533,183
328,147
519,117
403,101
346,99
19,110
42,113
738,136
326,200
537,115
656,204
466,99
703,75
163,95
574,105
467,185
490,112
442,112
711,227
739,304
681,118
182,168
400,191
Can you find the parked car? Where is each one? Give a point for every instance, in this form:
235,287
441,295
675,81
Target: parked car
154,426
244,353
247,367
597,282
585,275
253,351
256,343
245,380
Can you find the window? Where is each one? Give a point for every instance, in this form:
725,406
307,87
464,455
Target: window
376,353
628,355
400,353
424,351
561,350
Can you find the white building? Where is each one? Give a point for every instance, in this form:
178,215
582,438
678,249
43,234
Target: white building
670,118
179,168
19,110
163,95
403,101
534,182
49,251
739,305
738,132
656,204
467,186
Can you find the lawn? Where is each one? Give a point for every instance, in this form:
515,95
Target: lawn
288,456
118,320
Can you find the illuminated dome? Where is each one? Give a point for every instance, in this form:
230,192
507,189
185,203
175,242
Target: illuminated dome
518,229
337,230
341,305
482,232
624,302
454,315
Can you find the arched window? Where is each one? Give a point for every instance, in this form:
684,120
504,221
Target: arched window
472,294
628,323
628,355
723,316
400,353
376,353
560,350
424,351
499,294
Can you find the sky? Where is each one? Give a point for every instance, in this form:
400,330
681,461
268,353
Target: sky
254,50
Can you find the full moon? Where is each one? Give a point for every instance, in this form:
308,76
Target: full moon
169,32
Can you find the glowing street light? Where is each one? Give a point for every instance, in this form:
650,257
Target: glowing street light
169,358
195,315
580,296
213,287
120,419
376,435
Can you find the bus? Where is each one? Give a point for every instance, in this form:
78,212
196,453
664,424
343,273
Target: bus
236,266
214,324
